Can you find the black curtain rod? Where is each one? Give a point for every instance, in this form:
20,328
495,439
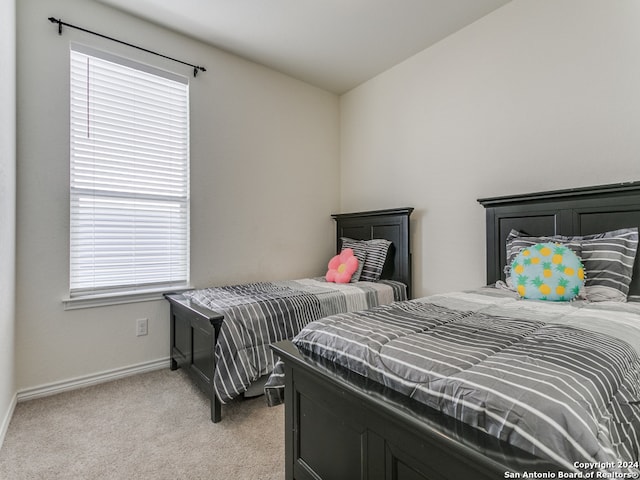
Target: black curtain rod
60,23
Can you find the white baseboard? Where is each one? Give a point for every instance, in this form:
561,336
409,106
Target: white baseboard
88,380
4,426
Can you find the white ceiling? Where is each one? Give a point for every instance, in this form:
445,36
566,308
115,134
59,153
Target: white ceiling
334,44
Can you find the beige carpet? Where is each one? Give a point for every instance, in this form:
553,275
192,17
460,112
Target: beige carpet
150,426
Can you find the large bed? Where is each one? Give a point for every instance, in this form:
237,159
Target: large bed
221,335
542,389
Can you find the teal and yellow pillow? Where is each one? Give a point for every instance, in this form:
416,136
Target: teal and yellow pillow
547,271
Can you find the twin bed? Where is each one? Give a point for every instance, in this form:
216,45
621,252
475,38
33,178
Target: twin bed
481,384
221,335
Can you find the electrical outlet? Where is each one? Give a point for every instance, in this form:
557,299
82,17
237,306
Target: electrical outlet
142,326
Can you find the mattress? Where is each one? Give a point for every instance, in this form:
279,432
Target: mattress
559,380
257,314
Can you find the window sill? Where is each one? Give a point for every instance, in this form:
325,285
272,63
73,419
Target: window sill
107,299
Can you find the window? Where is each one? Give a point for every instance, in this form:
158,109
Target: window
129,177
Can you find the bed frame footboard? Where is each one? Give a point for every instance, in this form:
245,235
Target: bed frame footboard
341,425
194,333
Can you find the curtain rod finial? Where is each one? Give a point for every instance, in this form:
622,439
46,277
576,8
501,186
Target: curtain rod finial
59,22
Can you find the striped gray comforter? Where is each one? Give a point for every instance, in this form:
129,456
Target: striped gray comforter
560,380
258,314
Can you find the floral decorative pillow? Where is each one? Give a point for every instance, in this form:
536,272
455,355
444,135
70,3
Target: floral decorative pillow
342,267
547,271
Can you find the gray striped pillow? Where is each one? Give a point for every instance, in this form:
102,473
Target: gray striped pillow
608,259
361,255
374,252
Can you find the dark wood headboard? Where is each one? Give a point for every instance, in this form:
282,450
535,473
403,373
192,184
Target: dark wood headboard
578,211
392,224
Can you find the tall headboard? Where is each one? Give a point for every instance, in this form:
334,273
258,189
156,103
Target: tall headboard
578,211
392,224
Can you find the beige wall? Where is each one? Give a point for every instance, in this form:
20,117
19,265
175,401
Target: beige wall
7,210
538,95
264,164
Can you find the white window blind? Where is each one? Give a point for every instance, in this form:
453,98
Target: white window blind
129,176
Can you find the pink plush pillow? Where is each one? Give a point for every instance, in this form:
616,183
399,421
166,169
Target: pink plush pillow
342,267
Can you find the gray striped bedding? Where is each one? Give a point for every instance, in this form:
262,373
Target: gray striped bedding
559,380
258,314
